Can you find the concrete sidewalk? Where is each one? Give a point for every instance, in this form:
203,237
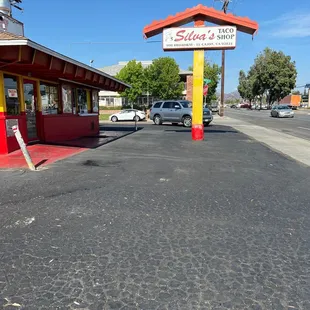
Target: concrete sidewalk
294,147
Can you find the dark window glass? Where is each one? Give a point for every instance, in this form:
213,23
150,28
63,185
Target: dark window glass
175,105
11,95
186,103
82,100
74,99
167,105
157,105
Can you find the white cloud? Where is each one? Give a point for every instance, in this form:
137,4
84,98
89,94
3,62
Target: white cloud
292,25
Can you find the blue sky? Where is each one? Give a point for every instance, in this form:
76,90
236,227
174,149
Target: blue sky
68,26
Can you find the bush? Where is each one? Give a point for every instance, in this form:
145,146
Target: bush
134,106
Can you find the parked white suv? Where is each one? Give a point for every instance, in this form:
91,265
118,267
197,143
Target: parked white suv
175,112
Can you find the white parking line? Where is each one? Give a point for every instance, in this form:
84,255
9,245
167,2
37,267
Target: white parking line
304,128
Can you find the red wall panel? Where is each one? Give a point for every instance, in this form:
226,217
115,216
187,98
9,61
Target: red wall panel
9,144
66,127
3,142
51,128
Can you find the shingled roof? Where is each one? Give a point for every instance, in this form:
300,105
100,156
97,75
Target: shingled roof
10,36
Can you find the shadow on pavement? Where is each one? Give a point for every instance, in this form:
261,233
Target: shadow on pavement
42,162
119,128
205,130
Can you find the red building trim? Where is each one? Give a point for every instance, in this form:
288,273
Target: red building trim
206,14
28,60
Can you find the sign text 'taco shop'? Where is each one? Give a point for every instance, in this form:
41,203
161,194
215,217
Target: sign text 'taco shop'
213,38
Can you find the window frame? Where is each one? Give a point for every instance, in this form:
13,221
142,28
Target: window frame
77,101
176,102
169,103
18,90
160,104
72,89
92,92
59,98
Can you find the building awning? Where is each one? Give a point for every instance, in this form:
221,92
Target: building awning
22,56
202,12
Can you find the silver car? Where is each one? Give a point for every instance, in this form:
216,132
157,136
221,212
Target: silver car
215,107
175,112
281,111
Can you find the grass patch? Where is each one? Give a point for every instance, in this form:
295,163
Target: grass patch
104,117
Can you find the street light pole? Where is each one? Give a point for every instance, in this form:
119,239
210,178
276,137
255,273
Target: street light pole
222,85
224,8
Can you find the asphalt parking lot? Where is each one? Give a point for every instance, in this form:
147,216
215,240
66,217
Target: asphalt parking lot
156,221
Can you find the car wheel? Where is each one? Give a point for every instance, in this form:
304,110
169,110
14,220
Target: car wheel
157,120
175,124
136,118
206,124
187,121
114,119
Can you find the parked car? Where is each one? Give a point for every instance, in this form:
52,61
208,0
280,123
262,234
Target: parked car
233,106
175,112
281,111
128,115
245,106
214,107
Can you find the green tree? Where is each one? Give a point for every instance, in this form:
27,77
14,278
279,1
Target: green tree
163,79
275,75
134,75
246,87
211,72
296,92
243,85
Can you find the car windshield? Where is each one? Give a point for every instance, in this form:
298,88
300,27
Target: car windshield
186,103
283,107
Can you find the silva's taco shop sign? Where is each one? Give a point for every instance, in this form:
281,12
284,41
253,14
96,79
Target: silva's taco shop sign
214,38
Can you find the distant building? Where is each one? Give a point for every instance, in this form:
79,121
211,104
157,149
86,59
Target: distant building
113,99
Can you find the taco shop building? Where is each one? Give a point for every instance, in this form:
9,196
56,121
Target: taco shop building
50,97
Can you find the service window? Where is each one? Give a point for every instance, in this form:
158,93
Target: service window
82,100
11,92
95,101
74,101
67,99
49,98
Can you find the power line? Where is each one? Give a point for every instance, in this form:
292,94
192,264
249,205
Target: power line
146,42
224,8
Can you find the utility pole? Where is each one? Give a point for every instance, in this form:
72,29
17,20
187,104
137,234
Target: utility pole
224,8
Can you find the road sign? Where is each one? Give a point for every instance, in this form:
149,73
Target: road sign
205,90
206,81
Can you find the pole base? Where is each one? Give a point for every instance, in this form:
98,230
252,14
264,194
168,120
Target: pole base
197,132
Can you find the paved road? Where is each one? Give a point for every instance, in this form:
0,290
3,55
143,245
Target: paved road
156,221
298,126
